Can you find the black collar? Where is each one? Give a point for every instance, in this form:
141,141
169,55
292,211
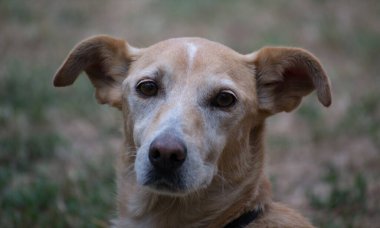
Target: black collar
244,219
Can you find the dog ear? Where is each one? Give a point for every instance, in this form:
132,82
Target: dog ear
285,75
105,60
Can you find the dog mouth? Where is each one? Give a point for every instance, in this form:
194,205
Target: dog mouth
165,182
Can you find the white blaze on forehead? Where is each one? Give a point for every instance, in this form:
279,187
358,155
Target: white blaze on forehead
191,52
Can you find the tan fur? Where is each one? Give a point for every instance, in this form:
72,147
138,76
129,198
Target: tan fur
271,80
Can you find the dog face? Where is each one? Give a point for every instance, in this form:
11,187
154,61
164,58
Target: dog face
188,102
183,108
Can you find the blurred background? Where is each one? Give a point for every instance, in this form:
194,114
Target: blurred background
58,146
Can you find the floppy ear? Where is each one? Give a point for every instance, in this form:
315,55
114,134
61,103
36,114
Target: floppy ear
105,60
285,75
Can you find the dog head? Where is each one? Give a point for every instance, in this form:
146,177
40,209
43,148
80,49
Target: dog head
188,103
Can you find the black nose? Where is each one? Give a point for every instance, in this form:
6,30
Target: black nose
167,152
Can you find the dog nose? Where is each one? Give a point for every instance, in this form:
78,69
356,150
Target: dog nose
167,152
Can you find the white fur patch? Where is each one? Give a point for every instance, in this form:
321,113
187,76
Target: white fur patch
191,52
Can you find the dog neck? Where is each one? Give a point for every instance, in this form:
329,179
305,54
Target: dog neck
227,197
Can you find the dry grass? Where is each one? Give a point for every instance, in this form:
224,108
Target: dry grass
323,162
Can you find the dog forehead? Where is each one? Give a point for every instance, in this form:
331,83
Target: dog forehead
190,54
190,42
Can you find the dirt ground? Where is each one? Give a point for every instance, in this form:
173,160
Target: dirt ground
57,146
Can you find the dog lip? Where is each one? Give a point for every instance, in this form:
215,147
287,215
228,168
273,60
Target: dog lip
164,181
164,187
163,184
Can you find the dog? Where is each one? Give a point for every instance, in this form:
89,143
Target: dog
194,116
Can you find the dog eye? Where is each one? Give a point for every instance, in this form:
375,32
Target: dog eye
224,99
147,88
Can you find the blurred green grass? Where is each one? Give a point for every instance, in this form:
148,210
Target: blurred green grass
52,174
35,185
344,203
